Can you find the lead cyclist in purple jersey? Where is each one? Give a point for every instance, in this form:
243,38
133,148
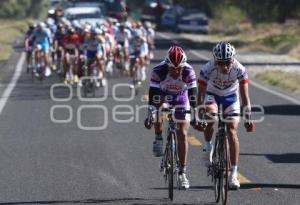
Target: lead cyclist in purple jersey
173,83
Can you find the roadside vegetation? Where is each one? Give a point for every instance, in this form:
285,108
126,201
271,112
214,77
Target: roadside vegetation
14,19
285,80
10,30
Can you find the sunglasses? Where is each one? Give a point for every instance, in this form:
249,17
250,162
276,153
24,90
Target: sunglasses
224,63
175,68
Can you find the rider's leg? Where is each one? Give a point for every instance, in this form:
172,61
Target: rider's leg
66,65
182,134
234,147
208,134
100,66
234,144
158,142
209,130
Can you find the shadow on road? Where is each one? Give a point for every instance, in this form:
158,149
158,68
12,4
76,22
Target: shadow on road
132,201
279,158
279,186
85,201
282,110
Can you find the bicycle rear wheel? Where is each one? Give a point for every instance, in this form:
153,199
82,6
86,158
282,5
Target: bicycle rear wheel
171,168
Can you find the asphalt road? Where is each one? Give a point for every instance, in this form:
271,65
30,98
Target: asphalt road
46,162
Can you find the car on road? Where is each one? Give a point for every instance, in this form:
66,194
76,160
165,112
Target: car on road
153,10
194,21
90,15
171,17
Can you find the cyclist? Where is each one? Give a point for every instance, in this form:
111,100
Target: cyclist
71,43
95,52
58,44
42,41
150,40
122,36
173,82
138,49
220,82
29,45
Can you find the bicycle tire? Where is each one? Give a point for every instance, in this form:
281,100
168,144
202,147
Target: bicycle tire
216,171
225,166
171,169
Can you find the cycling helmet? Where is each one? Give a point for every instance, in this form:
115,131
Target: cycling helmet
41,25
99,31
223,51
175,57
50,22
93,30
147,24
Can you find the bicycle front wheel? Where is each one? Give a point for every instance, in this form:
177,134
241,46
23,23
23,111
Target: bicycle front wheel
225,166
216,165
171,168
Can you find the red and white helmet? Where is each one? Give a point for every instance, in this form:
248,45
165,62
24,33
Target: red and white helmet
175,57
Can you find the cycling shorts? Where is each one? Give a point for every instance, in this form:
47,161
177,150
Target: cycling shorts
179,102
45,47
229,104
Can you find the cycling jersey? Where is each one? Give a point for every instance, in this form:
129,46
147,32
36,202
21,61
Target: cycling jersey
71,41
138,48
174,92
94,47
59,37
42,38
28,34
222,84
222,89
122,37
160,78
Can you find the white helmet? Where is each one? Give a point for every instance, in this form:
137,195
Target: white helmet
223,51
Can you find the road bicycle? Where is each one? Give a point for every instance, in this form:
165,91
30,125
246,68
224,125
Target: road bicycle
170,161
220,166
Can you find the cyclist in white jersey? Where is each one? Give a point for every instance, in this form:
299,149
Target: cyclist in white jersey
122,36
220,82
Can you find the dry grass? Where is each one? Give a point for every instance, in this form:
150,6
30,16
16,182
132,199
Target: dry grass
272,38
286,80
10,30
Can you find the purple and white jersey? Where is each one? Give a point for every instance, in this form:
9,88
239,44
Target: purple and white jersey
160,78
222,84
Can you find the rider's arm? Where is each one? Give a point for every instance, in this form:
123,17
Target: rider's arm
201,92
192,93
154,92
244,91
202,85
154,89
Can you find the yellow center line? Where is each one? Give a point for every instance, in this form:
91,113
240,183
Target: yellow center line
244,180
194,141
145,98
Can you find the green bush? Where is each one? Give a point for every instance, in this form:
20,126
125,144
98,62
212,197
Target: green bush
281,43
18,9
227,19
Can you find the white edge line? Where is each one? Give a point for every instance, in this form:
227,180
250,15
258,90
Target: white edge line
163,35
199,55
288,98
12,83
